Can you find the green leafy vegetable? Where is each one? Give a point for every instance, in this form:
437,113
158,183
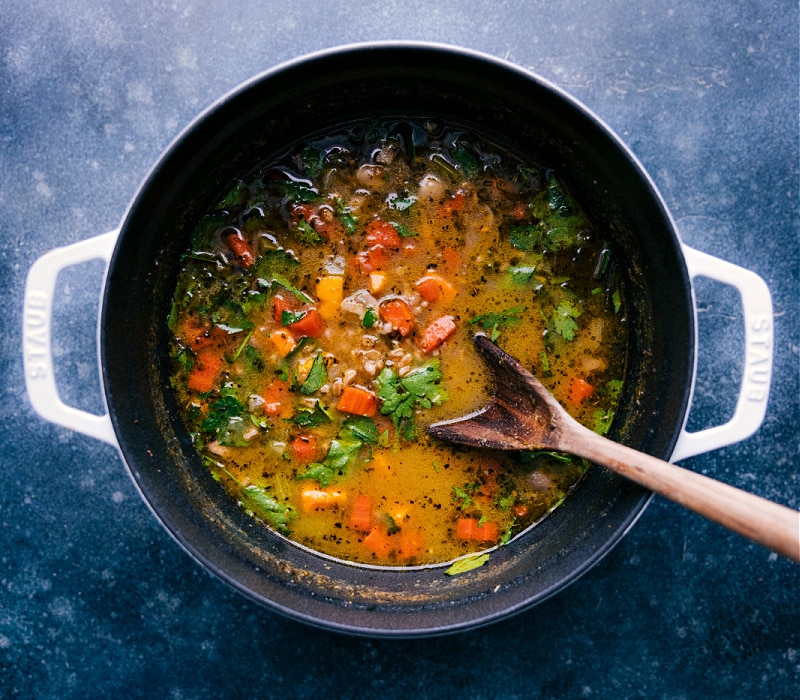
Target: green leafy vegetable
563,319
307,233
298,191
346,216
403,231
368,321
341,453
231,318
468,160
290,317
317,376
362,428
236,196
401,203
261,503
461,566
400,396
312,417
495,322
220,412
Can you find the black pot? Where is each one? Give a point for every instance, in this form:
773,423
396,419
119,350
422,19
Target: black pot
259,120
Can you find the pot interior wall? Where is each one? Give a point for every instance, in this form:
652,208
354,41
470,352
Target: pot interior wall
260,120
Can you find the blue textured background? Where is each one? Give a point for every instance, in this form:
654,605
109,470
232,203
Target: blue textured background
97,601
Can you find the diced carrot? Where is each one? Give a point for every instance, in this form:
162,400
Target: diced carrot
236,241
304,448
204,374
372,259
436,333
276,399
397,313
453,205
358,401
382,233
410,543
283,341
433,287
280,303
378,541
579,391
312,499
452,260
476,531
428,289
310,325
361,513
198,335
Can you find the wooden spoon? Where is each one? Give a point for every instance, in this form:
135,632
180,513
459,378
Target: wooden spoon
523,415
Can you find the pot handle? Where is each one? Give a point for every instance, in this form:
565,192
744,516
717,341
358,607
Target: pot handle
37,350
751,406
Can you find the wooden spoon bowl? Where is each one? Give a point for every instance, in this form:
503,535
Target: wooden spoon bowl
523,415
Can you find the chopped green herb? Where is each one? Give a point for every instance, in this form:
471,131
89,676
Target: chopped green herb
616,300
345,215
368,321
461,566
290,317
236,196
258,501
401,203
495,322
402,395
231,318
297,191
307,233
362,428
403,231
317,376
312,417
563,319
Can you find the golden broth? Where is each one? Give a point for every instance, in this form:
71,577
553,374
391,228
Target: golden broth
323,317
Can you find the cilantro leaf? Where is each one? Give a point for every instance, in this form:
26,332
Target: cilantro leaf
400,396
341,453
495,322
563,319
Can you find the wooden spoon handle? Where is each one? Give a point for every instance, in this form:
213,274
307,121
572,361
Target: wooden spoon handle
770,524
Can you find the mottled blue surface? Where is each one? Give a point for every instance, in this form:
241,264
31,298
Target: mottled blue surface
97,601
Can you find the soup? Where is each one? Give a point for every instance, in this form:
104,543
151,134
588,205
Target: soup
323,318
